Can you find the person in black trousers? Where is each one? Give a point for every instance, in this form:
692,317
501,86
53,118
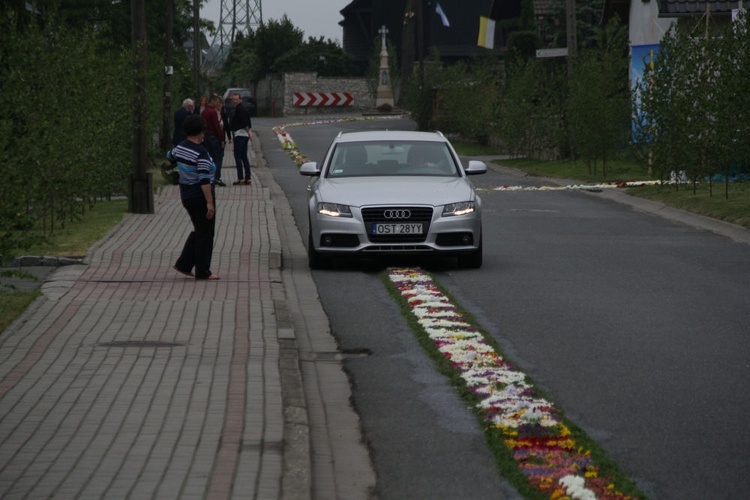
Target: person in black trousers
240,125
198,196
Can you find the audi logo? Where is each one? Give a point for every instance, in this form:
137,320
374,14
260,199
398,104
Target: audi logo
397,214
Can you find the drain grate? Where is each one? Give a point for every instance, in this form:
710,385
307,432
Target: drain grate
139,343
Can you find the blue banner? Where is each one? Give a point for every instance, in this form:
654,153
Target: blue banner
641,56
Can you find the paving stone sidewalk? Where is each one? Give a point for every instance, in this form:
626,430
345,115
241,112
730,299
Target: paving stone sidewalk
129,380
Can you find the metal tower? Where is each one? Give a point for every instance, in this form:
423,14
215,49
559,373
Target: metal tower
235,17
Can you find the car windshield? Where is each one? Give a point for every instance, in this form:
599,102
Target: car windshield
392,158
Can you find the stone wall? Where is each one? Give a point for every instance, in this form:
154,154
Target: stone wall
277,92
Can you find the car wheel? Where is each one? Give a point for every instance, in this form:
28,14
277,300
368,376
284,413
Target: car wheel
472,260
314,259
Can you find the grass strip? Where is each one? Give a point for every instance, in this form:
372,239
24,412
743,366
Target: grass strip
74,240
13,304
711,201
77,236
537,449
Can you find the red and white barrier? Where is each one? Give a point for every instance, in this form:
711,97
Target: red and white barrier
302,99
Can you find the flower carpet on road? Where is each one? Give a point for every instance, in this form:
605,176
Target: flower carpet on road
541,445
288,144
582,187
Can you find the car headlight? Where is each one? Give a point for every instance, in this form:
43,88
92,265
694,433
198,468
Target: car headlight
334,210
456,209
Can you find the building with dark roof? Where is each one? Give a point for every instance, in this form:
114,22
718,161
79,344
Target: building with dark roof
364,18
648,21
692,8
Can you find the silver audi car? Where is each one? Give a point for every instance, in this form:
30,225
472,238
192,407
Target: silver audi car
384,192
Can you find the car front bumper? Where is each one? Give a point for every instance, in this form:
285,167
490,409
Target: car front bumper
347,235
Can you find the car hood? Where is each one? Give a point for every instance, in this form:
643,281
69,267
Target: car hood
360,191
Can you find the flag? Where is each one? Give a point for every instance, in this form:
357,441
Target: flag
486,33
442,15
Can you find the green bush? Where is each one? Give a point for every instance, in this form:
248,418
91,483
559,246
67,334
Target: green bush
66,125
598,102
695,117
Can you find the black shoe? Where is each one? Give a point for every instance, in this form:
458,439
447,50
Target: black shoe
220,183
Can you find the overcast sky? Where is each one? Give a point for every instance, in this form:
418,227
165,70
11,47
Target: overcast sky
315,17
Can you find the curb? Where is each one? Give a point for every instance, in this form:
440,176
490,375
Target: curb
324,452
296,480
44,261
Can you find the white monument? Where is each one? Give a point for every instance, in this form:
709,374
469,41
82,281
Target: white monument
384,93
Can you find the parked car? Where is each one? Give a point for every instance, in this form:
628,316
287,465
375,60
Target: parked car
245,94
385,192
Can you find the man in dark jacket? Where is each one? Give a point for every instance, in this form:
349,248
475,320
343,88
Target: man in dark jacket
240,124
179,118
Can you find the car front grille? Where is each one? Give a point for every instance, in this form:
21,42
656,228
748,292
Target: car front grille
416,215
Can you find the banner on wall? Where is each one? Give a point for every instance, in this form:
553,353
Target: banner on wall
641,56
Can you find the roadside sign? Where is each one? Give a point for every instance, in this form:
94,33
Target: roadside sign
323,99
561,52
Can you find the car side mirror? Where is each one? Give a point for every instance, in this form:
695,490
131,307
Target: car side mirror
309,168
476,167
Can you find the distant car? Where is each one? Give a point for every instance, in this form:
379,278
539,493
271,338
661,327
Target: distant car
245,94
386,192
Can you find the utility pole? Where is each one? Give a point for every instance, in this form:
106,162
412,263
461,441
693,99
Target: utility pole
166,126
570,27
414,29
407,46
420,40
196,50
140,193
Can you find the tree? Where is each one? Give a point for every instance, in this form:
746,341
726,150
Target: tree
242,63
323,57
465,93
272,40
588,20
677,99
112,19
52,177
529,112
418,98
255,55
523,41
277,47
49,176
731,105
598,103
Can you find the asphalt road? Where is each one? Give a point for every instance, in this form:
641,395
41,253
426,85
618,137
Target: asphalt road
635,325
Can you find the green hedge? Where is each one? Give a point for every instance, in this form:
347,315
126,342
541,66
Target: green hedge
65,126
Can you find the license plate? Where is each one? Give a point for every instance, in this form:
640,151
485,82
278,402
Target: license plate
401,228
